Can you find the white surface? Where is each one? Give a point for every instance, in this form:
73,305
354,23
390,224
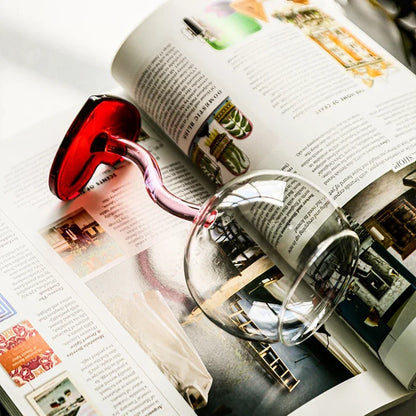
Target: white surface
53,55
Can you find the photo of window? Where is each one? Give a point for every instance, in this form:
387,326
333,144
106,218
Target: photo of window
81,242
62,397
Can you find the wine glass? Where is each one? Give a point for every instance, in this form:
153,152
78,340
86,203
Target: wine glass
269,256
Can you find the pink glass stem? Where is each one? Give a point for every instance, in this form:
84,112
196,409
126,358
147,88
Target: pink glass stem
151,173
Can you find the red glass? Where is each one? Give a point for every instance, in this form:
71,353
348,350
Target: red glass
105,131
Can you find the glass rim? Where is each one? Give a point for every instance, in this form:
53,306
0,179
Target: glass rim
318,252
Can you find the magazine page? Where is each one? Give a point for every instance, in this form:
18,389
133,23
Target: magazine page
61,350
297,87
140,249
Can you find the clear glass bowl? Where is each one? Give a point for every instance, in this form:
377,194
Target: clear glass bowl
269,257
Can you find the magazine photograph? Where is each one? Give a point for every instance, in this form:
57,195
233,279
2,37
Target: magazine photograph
208,208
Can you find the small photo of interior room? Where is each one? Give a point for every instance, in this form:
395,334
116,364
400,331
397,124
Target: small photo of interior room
384,216
60,397
81,242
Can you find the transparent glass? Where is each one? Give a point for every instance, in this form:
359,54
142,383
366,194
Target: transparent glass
261,270
269,255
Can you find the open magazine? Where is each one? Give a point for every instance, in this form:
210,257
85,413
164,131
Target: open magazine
237,86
